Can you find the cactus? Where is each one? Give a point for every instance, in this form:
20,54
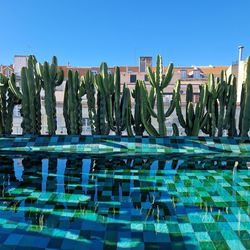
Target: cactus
50,78
7,104
105,89
113,107
195,118
245,102
88,83
137,121
29,94
242,106
158,82
72,109
96,101
221,105
231,99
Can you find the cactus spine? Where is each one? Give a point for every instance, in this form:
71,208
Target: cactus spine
50,78
29,96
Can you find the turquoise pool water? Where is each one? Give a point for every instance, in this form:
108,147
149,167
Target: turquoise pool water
58,202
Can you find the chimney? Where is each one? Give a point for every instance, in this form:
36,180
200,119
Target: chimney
240,74
240,52
145,61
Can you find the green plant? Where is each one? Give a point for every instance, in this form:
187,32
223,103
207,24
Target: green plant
89,87
7,104
245,102
158,82
50,77
231,100
138,126
29,94
195,118
221,105
113,106
72,109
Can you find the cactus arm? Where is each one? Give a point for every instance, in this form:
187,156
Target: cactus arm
204,120
160,113
13,88
31,93
178,105
149,128
158,72
129,116
150,110
175,129
151,77
151,97
172,105
242,107
49,91
118,114
168,76
59,77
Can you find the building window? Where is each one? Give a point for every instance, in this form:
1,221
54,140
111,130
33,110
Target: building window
196,74
94,72
183,74
132,78
146,78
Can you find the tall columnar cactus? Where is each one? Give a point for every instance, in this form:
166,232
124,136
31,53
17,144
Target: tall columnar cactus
245,102
137,121
117,102
221,105
230,115
29,94
50,77
7,104
89,86
158,82
195,116
72,109
105,89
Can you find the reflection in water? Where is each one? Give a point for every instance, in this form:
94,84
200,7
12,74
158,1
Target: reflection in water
115,202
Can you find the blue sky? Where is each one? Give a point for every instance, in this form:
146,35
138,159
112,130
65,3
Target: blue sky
87,32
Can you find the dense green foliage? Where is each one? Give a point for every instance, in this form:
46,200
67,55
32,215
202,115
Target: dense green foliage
112,107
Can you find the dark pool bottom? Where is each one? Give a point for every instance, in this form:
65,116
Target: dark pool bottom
134,203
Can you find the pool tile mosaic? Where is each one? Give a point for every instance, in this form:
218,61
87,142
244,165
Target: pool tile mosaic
124,203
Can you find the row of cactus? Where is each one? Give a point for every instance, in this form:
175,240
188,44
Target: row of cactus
109,103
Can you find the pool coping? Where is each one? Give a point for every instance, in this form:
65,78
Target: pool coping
142,145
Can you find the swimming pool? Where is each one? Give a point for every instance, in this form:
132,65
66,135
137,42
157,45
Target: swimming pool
76,202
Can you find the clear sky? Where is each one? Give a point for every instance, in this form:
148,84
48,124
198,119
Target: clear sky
87,32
